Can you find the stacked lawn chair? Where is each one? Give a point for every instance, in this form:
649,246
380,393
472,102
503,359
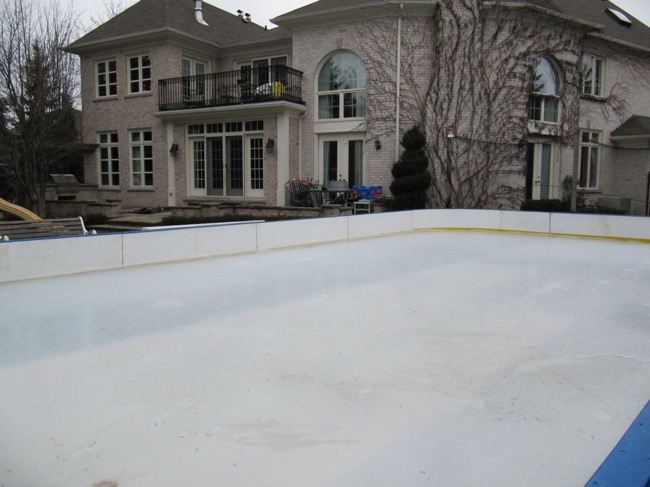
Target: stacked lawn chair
305,193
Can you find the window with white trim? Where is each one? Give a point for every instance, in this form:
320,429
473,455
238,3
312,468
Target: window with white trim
227,159
592,76
106,78
261,71
545,92
193,72
589,160
141,159
109,159
140,74
342,87
256,147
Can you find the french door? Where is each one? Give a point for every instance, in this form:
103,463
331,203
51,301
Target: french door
540,173
233,166
341,158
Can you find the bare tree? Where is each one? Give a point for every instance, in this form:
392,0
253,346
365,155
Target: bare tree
111,9
38,86
466,79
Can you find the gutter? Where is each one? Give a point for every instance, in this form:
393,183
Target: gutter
345,11
630,138
620,42
107,43
552,13
399,81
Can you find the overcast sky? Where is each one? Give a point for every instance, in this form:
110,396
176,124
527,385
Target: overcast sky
262,11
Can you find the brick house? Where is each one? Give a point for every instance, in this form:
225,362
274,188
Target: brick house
188,103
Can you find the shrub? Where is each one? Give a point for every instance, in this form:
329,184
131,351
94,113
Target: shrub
411,173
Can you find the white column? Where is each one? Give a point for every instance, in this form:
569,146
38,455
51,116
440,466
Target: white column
282,156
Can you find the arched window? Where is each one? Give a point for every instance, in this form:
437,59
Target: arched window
342,87
545,91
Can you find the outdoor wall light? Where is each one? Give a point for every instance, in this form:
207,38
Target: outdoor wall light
173,150
377,144
270,144
450,132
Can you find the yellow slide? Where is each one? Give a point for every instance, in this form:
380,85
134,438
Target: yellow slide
19,211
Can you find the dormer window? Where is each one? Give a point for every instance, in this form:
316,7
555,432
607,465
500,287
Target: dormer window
545,91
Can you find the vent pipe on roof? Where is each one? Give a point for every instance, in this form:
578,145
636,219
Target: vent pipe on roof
246,18
198,12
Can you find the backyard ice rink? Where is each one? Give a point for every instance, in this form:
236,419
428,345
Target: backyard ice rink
419,359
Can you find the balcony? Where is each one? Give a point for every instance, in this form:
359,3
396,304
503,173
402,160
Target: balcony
250,85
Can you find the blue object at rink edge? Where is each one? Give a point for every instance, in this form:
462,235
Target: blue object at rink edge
628,465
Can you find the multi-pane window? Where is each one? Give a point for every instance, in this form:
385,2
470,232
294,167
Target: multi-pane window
198,149
106,72
139,74
592,76
109,159
589,160
257,163
266,70
192,72
545,90
342,87
141,158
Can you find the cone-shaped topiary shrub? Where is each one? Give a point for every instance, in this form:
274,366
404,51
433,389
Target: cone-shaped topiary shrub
411,173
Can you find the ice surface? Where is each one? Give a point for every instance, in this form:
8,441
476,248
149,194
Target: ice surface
429,358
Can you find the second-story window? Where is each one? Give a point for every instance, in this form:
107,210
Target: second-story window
589,160
545,92
259,72
141,158
139,74
192,72
342,87
106,72
592,76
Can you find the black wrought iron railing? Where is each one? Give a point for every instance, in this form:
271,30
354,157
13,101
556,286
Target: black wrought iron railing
246,85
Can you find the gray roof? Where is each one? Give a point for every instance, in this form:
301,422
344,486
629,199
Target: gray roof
634,126
223,28
591,11
595,11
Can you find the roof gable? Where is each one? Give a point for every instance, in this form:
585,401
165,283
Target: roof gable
634,126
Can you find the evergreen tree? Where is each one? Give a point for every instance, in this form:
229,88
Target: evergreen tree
411,172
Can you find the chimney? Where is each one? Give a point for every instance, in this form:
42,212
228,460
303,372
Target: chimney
198,12
248,18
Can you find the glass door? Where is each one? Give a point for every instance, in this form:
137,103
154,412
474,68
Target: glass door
539,177
215,166
234,166
341,158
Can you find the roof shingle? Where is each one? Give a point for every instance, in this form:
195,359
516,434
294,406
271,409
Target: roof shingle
592,11
150,15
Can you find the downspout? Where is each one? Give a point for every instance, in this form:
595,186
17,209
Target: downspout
647,197
399,80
